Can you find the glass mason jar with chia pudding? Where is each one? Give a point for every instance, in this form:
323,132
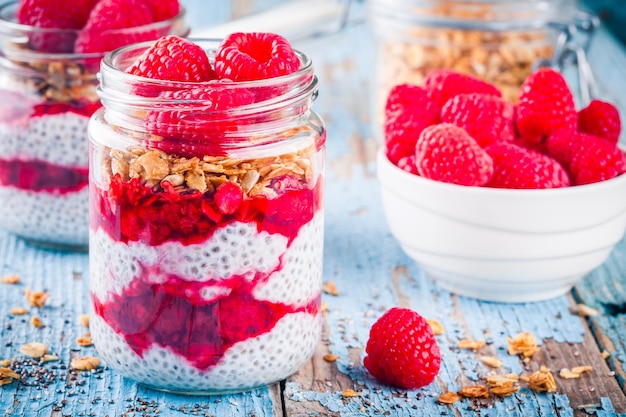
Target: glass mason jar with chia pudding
47,95
206,233
495,40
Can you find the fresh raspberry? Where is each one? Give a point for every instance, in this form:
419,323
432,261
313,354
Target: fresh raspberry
200,120
49,14
255,56
445,152
443,84
488,119
408,164
589,158
99,35
545,106
164,9
601,119
518,167
228,197
175,59
407,112
402,350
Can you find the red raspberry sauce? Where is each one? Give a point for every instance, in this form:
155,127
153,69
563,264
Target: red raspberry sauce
173,313
41,176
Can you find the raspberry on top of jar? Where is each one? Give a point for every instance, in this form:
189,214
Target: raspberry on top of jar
207,198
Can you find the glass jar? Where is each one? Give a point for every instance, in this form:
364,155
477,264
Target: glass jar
206,232
48,94
495,40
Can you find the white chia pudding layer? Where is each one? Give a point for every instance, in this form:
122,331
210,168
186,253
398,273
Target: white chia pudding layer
254,362
46,218
237,249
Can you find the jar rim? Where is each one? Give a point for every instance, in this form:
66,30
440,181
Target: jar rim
475,14
20,33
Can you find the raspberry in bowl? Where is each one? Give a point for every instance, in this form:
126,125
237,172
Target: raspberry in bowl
502,201
49,57
206,213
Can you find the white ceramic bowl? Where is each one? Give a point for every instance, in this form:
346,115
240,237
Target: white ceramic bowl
501,244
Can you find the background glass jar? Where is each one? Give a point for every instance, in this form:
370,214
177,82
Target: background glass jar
47,94
207,225
495,40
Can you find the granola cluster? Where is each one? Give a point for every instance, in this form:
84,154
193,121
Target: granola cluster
153,167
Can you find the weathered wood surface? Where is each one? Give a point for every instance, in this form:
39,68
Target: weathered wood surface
371,273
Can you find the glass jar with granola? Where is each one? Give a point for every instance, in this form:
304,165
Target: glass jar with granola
49,57
206,213
494,40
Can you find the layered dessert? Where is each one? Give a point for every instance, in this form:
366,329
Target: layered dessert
206,238
49,58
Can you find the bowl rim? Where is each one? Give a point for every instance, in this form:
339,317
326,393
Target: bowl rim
489,191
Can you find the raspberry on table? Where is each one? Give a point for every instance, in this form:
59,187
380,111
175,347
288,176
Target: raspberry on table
402,350
446,152
255,56
545,106
173,58
488,119
107,15
521,168
602,119
408,111
443,84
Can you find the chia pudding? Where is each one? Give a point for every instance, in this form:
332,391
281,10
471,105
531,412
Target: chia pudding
206,240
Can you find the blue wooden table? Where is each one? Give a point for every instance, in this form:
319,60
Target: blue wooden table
371,274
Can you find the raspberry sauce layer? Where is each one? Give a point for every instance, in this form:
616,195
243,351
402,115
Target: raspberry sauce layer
130,211
41,176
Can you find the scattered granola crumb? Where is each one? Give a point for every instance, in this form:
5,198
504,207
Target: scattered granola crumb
582,369
324,307
18,311
584,310
8,375
84,340
37,298
11,279
606,354
330,288
85,363
490,361
83,319
567,374
34,349
471,344
448,398
542,381
475,391
501,380
49,358
5,362
436,327
331,358
505,391
523,344
36,321
348,393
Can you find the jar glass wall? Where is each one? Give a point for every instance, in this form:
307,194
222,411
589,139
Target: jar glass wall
48,93
495,40
207,225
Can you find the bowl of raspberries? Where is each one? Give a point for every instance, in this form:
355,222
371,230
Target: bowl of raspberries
498,200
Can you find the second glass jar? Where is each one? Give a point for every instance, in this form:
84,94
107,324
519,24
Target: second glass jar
206,227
